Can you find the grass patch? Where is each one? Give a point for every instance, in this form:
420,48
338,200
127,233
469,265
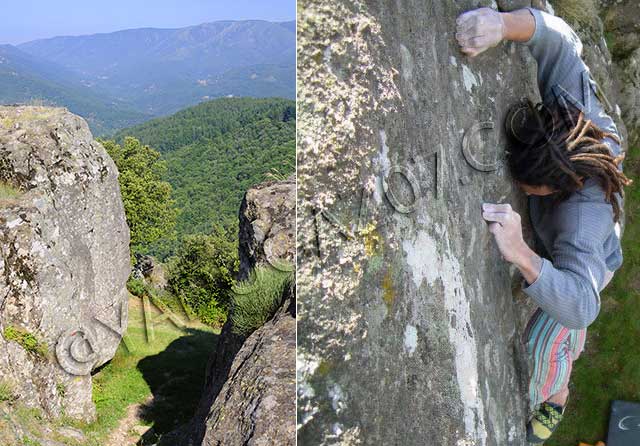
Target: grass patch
609,369
9,192
135,374
6,391
26,340
26,441
256,300
163,373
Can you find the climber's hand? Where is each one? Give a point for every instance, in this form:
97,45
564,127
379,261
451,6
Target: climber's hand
504,224
479,30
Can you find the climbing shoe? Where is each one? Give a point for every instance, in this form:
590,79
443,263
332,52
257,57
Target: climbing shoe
545,420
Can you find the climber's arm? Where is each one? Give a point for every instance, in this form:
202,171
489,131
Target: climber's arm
567,289
505,225
563,77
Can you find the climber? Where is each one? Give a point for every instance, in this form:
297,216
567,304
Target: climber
565,154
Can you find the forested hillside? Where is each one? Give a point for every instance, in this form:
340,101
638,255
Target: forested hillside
214,152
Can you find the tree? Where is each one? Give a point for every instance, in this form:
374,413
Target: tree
202,273
150,209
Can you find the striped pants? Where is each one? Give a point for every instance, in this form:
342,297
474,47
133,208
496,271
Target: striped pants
552,349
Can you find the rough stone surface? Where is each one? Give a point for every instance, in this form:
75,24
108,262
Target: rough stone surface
249,393
64,243
410,324
266,230
256,405
623,28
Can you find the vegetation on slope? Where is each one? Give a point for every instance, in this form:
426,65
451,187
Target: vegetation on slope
24,79
214,153
149,208
202,273
183,66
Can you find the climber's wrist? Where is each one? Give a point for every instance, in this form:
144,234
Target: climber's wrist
528,262
519,25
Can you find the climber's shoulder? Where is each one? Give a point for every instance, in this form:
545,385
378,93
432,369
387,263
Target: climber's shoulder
585,213
553,31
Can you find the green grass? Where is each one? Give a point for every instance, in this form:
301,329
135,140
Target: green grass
609,369
256,299
171,364
26,340
6,391
8,192
132,376
26,441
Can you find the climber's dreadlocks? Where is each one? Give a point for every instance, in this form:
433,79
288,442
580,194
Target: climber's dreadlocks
544,150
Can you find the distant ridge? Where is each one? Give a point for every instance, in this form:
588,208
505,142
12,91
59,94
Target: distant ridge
159,71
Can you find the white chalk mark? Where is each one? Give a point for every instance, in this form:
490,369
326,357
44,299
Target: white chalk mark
410,339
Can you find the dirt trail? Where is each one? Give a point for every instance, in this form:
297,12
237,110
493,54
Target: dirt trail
124,434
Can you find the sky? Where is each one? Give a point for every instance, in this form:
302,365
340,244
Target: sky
25,20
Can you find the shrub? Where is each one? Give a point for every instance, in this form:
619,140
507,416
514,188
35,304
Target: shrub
26,340
257,299
136,287
202,272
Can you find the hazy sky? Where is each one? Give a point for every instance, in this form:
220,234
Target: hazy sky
24,20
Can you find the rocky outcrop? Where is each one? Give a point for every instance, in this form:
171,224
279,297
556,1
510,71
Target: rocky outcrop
622,28
410,325
249,393
256,404
267,232
64,243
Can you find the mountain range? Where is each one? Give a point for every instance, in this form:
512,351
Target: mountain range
119,79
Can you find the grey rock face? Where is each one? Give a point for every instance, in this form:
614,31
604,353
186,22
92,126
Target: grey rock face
410,324
623,28
65,258
628,70
256,405
249,394
266,228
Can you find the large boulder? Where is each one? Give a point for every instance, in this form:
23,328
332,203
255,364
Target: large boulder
64,242
249,393
266,228
410,323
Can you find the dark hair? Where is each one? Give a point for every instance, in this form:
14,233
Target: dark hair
559,148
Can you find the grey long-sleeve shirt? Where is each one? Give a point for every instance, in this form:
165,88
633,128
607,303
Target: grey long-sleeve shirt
578,234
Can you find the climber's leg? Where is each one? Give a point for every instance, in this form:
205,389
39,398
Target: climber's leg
548,347
576,346
577,340
561,397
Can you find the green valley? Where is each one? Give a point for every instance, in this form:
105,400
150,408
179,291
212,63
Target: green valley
214,152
